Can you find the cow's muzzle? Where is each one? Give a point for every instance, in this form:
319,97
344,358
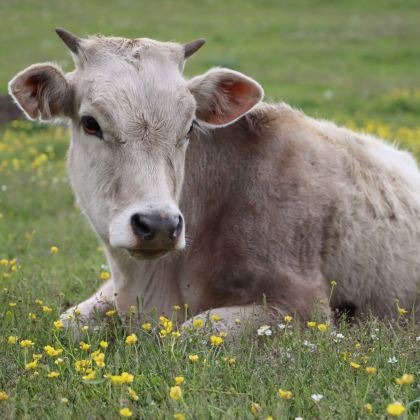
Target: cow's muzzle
157,233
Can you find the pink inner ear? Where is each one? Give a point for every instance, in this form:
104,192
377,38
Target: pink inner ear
234,99
32,84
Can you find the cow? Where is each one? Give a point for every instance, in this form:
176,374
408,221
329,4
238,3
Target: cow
203,195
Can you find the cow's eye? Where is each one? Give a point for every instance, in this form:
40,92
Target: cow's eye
91,127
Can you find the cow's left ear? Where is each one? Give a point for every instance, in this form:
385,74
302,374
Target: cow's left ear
42,91
224,95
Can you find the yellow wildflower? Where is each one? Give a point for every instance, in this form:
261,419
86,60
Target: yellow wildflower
54,250
90,376
77,312
12,304
179,380
58,325
4,262
333,283
64,400
223,334
81,365
124,378
111,312
131,339
400,310
395,409
286,395
147,326
406,379
39,301
193,358
322,327
198,323
179,416
31,365
126,412
175,393
84,346
53,375
104,275
215,318
177,307
371,370
231,361
31,316
368,408
12,339
26,343
99,359
103,344
176,334
354,365
59,361
127,377
84,328
167,326
216,340
3,396
288,319
255,408
46,309
133,395
51,351
237,321
311,324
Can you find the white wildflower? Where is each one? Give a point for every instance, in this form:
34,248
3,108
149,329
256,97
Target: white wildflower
317,397
392,360
264,330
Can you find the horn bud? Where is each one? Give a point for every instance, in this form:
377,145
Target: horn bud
191,47
72,41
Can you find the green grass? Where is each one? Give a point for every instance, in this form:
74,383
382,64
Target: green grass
298,49
366,53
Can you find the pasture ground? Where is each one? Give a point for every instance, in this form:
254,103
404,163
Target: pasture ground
352,61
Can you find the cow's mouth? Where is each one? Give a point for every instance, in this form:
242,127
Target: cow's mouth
149,254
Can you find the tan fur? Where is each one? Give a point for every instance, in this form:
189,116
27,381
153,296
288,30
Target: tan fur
276,204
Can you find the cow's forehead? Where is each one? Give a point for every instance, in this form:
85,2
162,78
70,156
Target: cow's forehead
118,80
96,48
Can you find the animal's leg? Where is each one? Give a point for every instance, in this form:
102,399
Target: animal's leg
232,319
236,319
95,306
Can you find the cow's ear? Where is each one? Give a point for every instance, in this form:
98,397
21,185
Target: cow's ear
224,95
42,91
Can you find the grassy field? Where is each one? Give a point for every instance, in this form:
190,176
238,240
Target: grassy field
352,61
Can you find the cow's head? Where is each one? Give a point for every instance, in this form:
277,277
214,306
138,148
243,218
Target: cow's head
132,113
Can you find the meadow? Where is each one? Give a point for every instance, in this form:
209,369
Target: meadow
354,62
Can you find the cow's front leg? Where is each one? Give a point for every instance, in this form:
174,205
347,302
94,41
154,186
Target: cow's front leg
91,309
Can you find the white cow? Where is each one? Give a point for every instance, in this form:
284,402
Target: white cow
274,204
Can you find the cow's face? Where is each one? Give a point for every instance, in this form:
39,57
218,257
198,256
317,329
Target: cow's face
132,114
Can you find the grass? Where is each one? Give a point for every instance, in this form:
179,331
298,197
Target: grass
355,62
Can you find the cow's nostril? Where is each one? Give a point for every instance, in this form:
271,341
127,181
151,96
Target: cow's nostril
142,227
178,228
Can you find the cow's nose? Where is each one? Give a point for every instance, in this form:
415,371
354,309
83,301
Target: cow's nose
148,226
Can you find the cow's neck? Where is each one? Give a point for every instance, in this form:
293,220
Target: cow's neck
211,161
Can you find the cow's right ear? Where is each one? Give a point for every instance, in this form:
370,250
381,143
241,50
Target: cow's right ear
42,91
224,95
